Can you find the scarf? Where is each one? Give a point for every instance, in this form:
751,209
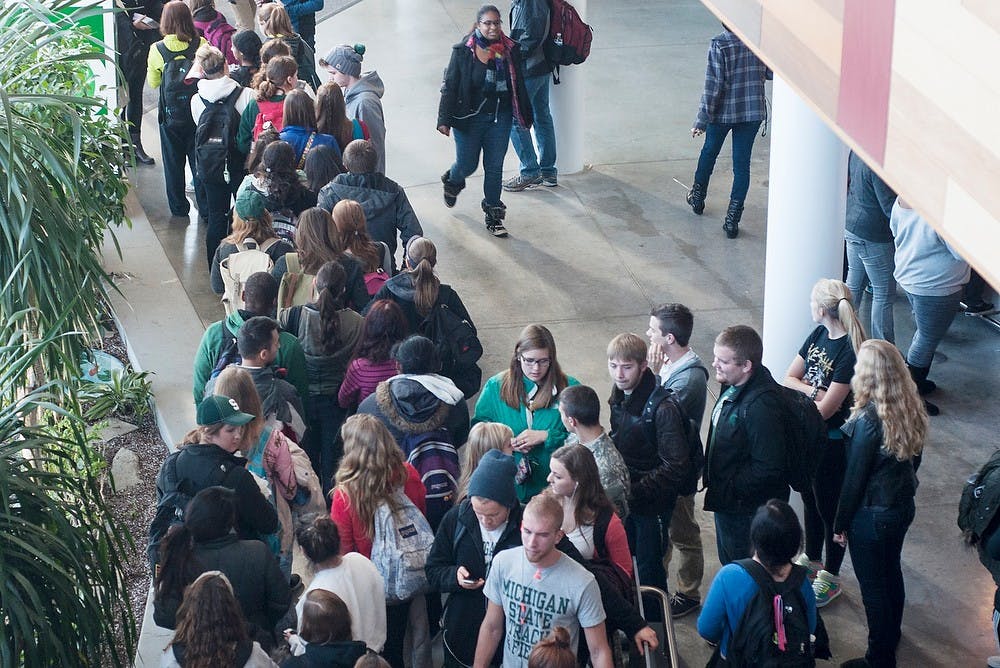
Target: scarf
500,57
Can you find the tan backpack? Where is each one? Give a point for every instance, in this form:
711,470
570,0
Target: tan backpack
296,287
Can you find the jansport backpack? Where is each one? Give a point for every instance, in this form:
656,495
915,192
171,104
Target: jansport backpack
458,347
270,115
175,94
434,457
696,452
774,629
980,500
400,548
569,37
249,258
215,140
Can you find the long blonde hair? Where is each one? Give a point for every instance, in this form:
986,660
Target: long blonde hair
421,257
237,384
881,378
483,437
372,468
835,298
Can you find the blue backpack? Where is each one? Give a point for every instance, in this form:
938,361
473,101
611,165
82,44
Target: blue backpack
434,457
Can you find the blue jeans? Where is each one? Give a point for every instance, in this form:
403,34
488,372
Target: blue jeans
876,261
732,536
176,145
932,316
545,132
875,540
743,138
486,136
648,541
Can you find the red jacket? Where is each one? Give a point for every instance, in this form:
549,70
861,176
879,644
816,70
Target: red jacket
353,536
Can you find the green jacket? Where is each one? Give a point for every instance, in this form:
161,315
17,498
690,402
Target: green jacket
491,408
290,355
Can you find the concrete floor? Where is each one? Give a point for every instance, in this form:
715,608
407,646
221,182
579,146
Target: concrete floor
590,257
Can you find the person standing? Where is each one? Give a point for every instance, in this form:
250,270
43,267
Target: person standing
529,26
362,93
733,101
135,31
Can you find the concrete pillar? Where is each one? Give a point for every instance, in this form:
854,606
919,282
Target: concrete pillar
567,106
805,222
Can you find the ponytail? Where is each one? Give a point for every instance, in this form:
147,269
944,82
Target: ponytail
330,282
421,256
176,567
835,298
277,72
849,318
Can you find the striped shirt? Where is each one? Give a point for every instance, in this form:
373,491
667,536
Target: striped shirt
361,379
734,84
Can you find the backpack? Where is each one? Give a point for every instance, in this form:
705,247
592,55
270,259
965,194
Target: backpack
568,42
458,347
175,93
980,499
774,629
229,354
360,130
248,259
696,452
805,430
270,114
215,139
173,496
374,280
217,31
400,548
296,286
436,460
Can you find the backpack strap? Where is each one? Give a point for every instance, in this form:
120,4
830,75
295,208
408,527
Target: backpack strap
292,263
305,151
267,245
601,523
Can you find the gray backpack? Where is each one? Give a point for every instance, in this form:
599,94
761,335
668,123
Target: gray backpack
400,548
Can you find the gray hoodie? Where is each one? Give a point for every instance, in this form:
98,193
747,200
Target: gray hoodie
689,379
364,102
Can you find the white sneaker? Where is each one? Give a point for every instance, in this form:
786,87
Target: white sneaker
993,662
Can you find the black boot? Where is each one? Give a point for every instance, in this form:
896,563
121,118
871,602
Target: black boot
733,215
139,152
494,219
696,198
919,375
450,190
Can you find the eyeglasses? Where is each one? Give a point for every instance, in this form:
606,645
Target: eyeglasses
491,24
537,363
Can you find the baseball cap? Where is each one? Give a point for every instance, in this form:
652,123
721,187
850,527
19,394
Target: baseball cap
216,409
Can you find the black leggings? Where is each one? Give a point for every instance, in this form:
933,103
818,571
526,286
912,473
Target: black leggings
820,505
396,619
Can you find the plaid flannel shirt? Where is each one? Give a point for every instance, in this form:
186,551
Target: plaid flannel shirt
734,84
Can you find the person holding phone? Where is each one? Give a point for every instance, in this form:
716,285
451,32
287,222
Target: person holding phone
136,29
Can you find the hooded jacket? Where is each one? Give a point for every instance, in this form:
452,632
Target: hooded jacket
386,207
203,20
689,381
415,404
363,101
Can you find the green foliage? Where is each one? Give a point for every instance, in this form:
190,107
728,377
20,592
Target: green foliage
127,394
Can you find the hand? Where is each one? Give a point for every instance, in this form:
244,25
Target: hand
840,539
646,636
445,130
528,439
462,575
655,358
138,24
695,132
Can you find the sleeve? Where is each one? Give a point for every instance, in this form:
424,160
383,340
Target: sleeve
154,67
809,595
347,395
885,195
810,340
455,303
843,369
244,135
293,359
487,402
767,442
714,79
617,544
341,514
672,448
281,465
414,489
712,619
256,514
278,594
406,219
590,612
529,28
297,8
279,269
204,361
862,445
442,562
449,90
218,286
165,611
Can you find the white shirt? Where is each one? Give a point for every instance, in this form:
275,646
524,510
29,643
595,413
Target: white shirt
358,583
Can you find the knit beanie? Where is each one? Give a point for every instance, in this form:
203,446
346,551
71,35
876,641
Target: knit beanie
346,59
494,478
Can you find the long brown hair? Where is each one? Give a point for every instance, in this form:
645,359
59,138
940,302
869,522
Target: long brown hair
275,20
276,73
349,217
330,281
298,110
589,498
210,623
533,337
372,468
421,257
176,20
331,114
316,240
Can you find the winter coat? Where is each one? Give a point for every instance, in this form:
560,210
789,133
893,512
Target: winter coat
363,101
335,655
353,528
326,368
689,381
406,406
203,20
459,101
400,289
529,27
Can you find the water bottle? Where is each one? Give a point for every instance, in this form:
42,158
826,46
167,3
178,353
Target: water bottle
558,41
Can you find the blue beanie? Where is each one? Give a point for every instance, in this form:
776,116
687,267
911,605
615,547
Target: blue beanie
494,478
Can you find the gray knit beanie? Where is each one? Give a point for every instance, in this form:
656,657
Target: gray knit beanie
345,58
494,478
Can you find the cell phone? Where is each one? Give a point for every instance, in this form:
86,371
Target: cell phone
151,22
469,581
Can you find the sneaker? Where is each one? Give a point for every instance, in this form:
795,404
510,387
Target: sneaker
993,662
497,230
551,181
189,187
826,587
521,182
450,190
812,567
978,306
681,605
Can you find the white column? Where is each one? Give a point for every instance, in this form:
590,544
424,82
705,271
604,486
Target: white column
566,104
805,222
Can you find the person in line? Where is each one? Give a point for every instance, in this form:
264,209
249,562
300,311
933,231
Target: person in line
362,94
580,410
681,370
206,541
328,332
180,42
552,651
277,77
869,244
302,14
322,165
525,397
251,221
733,101
135,32
349,575
371,473
246,51
589,518
274,22
210,629
775,538
525,584
529,27
325,631
388,212
276,183
822,371
885,436
331,116
483,437
214,27
482,95
384,327
299,127
747,444
374,256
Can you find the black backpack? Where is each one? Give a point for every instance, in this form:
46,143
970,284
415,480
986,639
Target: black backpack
980,500
759,640
215,140
458,347
696,452
805,431
175,94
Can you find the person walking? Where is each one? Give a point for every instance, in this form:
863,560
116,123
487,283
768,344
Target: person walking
362,93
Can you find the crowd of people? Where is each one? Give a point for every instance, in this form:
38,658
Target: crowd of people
332,413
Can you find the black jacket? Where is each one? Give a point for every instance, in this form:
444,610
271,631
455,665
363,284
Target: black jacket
335,655
407,407
458,100
400,289
259,585
657,470
745,459
529,27
874,478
